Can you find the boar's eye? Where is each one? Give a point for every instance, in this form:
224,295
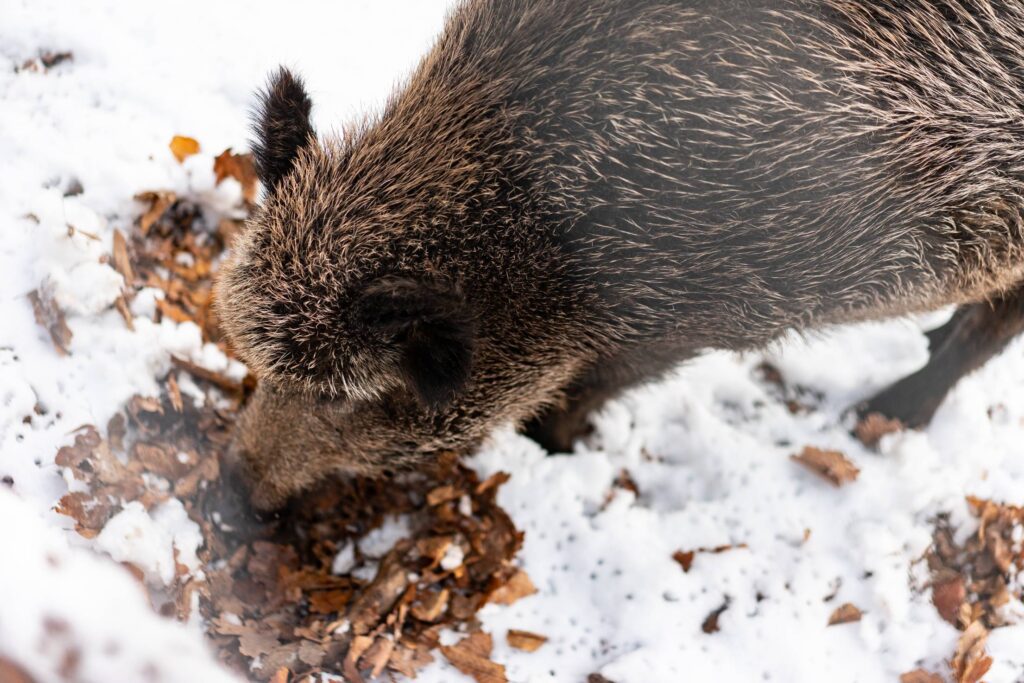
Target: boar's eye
434,328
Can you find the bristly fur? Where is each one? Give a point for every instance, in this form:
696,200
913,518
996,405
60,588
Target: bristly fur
612,187
432,326
282,126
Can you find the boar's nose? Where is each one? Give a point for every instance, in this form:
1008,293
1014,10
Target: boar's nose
230,506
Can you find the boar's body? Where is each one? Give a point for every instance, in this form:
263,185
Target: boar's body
569,197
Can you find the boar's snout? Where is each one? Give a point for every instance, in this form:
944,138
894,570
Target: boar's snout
279,447
231,506
257,488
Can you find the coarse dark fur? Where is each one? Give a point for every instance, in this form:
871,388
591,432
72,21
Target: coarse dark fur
571,196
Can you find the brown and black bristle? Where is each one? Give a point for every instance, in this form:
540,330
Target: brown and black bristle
282,126
577,194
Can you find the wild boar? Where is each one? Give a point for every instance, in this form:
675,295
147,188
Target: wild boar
569,197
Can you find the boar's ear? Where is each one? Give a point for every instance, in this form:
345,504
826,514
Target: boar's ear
281,126
432,323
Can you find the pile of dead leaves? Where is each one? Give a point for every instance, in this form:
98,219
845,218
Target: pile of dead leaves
175,248
277,598
267,589
972,582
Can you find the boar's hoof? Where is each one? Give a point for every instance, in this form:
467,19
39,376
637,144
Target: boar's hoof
557,431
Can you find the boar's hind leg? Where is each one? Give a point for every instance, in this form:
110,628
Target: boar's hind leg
974,334
560,425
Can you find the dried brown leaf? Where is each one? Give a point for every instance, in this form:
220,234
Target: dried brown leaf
237,166
228,627
407,661
845,614
158,202
329,601
220,381
144,404
121,304
376,656
431,605
948,596
164,460
51,317
90,514
183,147
311,654
471,656
624,480
684,558
174,393
492,482
90,459
920,676
376,600
255,642
350,668
442,494
710,624
434,548
478,643
525,640
12,673
173,311
970,662
872,427
51,59
831,465
76,455
122,261
518,586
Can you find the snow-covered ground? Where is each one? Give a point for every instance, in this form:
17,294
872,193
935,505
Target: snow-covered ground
708,449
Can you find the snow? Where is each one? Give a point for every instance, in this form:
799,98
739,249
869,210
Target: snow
62,605
345,560
379,541
708,448
373,546
151,542
452,558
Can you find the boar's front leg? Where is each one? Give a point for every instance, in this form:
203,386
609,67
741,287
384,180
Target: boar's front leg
560,425
974,334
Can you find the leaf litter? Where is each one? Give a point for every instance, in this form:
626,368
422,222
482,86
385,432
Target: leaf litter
182,147
974,582
269,600
847,613
832,465
50,316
